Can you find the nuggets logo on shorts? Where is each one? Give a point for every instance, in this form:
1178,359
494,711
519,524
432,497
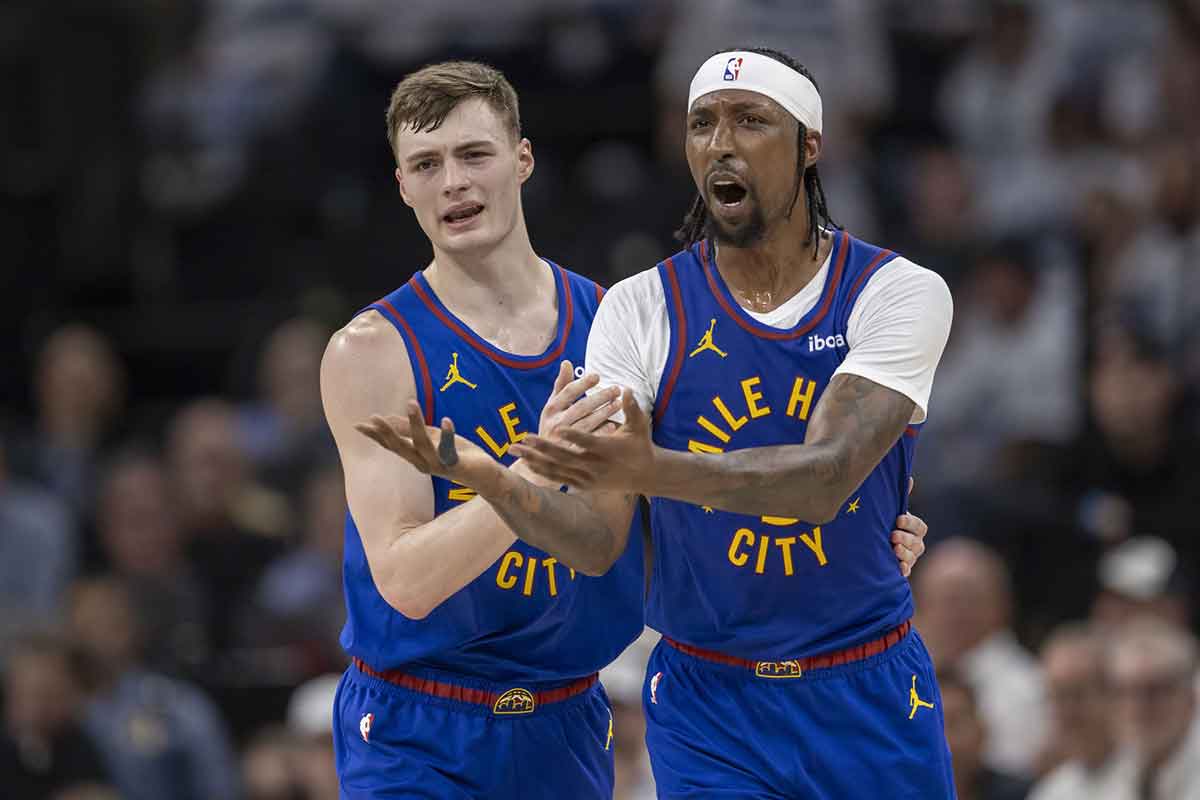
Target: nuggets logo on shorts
364,726
778,669
515,701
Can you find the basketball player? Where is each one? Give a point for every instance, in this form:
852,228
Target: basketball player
474,652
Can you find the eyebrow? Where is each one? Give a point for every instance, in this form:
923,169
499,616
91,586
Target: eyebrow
462,148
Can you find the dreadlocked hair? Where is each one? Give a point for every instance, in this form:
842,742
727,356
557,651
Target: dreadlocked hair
696,220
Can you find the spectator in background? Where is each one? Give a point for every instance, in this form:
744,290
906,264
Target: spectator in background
310,721
1009,384
222,513
269,766
966,735
298,603
159,737
80,391
284,433
143,543
1081,750
43,749
37,554
964,611
1141,452
1151,672
1143,577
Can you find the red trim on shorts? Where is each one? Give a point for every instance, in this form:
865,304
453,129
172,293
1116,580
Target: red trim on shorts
469,694
471,339
836,659
831,285
680,342
911,432
423,368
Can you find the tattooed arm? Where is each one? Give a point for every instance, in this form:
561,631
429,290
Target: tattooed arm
855,424
585,531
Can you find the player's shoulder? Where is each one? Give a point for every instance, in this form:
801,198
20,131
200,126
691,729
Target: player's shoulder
899,278
642,289
368,337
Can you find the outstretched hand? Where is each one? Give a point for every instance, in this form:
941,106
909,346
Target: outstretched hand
453,457
619,460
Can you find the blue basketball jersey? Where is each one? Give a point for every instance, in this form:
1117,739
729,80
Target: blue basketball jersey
527,617
768,587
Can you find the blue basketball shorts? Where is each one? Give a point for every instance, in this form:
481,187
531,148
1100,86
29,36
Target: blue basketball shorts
438,736
871,728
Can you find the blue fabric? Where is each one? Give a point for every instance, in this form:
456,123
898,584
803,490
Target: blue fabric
421,746
762,586
527,617
841,733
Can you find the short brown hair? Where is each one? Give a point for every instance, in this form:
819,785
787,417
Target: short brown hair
423,99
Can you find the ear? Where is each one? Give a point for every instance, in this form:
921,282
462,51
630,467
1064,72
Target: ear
403,194
524,160
812,148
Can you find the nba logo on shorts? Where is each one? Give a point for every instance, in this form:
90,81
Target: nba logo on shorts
364,726
733,68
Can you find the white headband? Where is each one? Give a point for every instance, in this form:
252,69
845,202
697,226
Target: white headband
739,69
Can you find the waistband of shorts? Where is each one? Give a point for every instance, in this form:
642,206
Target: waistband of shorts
500,699
796,667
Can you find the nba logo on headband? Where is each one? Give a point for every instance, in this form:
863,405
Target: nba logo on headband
733,68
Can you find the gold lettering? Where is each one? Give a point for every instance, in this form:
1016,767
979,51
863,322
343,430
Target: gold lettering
511,559
713,429
549,563
499,450
462,494
511,423
701,447
734,424
753,396
785,544
801,396
781,522
736,558
530,570
763,544
814,544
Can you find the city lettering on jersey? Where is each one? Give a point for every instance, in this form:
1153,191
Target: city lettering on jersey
511,433
520,572
750,405
517,572
762,550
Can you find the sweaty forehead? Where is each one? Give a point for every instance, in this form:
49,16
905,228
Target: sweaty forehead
736,100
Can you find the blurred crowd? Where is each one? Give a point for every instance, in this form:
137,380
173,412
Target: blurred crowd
194,194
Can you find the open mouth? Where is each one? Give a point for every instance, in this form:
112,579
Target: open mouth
728,192
461,214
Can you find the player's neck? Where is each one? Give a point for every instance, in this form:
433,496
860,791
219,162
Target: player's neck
767,274
508,277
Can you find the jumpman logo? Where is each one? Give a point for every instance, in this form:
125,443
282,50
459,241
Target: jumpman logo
915,701
706,342
454,376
